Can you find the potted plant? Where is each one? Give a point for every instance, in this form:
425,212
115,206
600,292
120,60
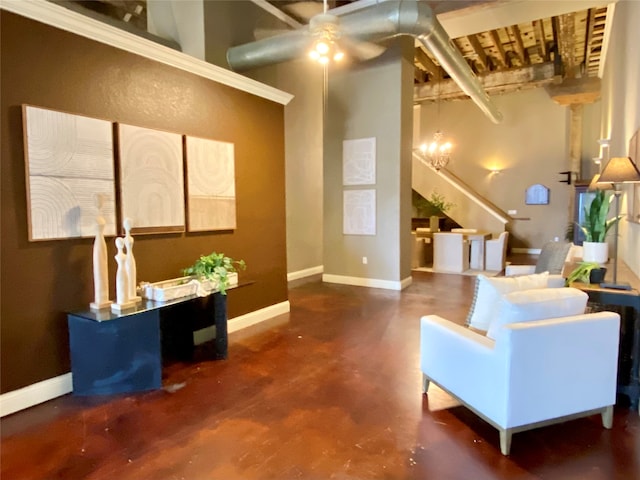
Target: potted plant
434,207
217,268
596,226
586,272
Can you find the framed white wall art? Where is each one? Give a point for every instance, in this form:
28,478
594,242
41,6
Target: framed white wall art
359,212
69,174
151,179
359,161
211,185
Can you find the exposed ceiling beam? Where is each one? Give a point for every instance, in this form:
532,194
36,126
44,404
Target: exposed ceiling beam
541,41
493,15
479,52
566,44
518,46
494,82
591,21
423,59
502,56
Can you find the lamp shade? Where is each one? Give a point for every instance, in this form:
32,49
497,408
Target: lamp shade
596,185
620,170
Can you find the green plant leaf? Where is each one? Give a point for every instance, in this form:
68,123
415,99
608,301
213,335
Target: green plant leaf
216,268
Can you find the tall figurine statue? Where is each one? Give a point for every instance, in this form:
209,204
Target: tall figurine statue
100,268
122,289
130,262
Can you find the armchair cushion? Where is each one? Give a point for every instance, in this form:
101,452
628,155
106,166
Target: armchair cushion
536,304
489,290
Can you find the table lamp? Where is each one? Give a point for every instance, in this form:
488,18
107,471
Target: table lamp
618,170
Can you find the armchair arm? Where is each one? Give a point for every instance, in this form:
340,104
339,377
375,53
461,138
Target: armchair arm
560,366
511,270
463,362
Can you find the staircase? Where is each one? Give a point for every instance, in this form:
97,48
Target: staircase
471,210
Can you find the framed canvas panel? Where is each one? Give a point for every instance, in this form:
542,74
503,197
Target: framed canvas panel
359,161
151,179
211,185
359,212
69,174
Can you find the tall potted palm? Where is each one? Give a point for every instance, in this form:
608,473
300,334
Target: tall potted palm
595,227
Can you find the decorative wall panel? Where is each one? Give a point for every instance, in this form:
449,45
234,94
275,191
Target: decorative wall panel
211,185
151,179
359,161
359,215
69,172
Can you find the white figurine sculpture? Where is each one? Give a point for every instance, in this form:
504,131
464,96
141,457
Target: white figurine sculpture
130,262
122,289
100,268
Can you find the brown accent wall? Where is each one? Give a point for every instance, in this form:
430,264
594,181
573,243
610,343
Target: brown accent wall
40,281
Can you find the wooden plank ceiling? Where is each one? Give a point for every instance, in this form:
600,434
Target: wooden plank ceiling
561,52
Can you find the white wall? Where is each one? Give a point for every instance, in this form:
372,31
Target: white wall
621,108
529,146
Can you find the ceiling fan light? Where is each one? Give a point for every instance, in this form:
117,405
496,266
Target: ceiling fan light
338,56
323,59
314,55
322,47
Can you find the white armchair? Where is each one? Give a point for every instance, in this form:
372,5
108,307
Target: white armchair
530,370
450,252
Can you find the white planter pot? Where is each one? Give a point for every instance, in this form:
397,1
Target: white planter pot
595,252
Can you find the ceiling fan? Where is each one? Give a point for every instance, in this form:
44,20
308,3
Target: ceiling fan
330,41
327,39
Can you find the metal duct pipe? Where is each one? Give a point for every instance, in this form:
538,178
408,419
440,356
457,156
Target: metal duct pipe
382,21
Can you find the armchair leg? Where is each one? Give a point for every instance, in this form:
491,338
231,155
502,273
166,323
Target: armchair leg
607,417
425,383
505,441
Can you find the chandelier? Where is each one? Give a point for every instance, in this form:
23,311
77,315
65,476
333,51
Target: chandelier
437,153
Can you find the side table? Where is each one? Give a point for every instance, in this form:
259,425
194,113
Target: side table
119,353
622,298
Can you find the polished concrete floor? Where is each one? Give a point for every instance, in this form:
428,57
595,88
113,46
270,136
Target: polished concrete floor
329,391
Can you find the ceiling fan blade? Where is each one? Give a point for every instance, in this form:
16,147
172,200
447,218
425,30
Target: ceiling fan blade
262,33
303,10
362,51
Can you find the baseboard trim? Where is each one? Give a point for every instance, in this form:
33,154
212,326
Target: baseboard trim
367,282
307,272
529,251
252,318
35,393
51,388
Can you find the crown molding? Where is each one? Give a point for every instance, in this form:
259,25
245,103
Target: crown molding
74,22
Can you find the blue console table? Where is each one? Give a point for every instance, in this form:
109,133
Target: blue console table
118,353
